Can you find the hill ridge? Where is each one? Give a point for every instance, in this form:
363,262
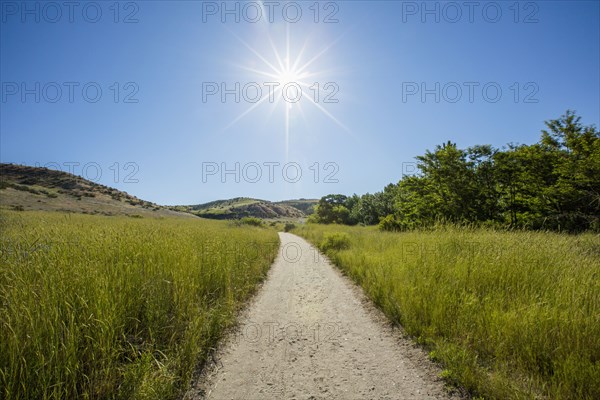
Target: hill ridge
25,188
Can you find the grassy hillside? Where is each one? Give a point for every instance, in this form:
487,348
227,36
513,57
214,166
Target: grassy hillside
115,307
304,205
30,188
511,315
246,207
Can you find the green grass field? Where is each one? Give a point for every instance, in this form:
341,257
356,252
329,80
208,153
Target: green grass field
510,315
118,307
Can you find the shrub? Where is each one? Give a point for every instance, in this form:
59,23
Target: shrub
335,241
288,227
389,223
252,221
24,188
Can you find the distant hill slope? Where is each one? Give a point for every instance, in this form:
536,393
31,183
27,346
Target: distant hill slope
31,188
304,205
240,207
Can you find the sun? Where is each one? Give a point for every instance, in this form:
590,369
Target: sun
290,73
288,68
289,76
293,77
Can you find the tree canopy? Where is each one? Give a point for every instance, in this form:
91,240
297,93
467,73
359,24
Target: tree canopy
553,184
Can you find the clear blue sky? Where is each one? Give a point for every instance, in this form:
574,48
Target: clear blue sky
377,55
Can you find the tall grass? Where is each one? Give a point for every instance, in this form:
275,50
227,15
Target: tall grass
113,307
509,314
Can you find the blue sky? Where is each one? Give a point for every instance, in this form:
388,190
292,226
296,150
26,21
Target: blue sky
157,132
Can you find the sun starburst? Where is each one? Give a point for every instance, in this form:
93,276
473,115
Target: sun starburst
288,67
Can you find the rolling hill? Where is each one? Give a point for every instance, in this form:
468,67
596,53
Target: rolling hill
240,207
304,205
31,188
27,188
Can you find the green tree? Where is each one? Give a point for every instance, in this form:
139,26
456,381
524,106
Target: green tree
552,184
575,192
450,182
332,209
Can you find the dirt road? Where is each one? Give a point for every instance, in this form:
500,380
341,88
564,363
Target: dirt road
311,334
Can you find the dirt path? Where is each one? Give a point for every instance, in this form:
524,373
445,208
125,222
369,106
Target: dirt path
311,334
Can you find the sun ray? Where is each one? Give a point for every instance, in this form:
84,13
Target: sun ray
273,107
301,110
323,72
299,57
256,53
263,12
257,71
334,119
277,56
242,115
323,51
287,131
287,47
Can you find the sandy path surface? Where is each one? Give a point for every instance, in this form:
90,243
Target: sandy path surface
311,334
